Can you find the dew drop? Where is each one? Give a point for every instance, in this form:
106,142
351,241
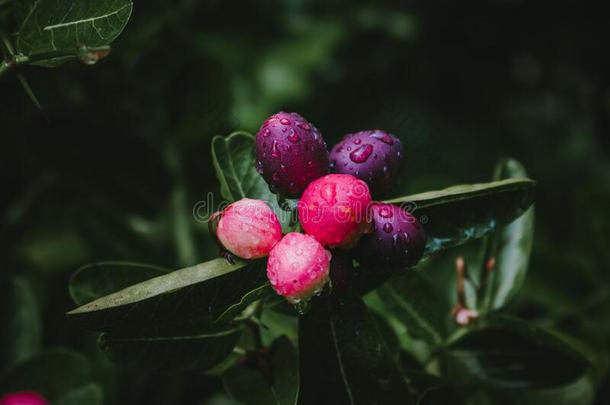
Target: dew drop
328,192
385,212
361,154
383,137
385,169
275,151
266,132
259,167
387,227
357,141
293,136
304,125
285,121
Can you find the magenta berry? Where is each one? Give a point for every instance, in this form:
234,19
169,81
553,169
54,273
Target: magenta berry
290,153
397,239
298,267
249,229
333,209
374,156
23,398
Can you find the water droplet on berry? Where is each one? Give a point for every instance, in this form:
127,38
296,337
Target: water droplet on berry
275,150
285,121
383,137
385,212
293,136
357,141
361,154
304,125
387,228
266,132
259,167
329,193
385,169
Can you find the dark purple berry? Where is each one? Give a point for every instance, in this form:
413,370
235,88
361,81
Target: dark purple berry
290,153
374,156
397,241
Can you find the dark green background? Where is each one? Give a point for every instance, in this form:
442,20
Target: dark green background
123,148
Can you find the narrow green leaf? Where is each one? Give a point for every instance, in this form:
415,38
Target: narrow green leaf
96,280
344,358
279,384
458,214
511,247
60,375
234,162
20,336
510,353
60,27
411,300
207,291
174,349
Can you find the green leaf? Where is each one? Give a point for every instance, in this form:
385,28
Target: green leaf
413,301
511,247
344,358
60,375
20,337
96,280
173,349
60,28
88,394
432,390
458,214
234,162
513,354
212,291
279,384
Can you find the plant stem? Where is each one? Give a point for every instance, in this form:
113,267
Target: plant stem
4,67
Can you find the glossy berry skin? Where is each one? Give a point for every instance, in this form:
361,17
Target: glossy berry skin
374,156
249,229
290,153
397,240
333,209
23,398
298,267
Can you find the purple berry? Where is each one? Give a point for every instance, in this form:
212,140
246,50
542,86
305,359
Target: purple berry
374,156
290,153
397,241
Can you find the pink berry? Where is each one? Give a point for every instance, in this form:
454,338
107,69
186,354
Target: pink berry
333,209
23,398
298,267
249,229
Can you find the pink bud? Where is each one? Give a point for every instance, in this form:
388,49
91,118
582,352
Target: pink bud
23,398
298,267
333,209
249,229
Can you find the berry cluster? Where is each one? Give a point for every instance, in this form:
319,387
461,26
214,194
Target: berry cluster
335,208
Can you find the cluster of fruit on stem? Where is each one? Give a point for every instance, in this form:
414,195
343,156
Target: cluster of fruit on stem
336,211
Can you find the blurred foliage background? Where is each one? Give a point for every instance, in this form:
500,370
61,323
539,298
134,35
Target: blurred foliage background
114,165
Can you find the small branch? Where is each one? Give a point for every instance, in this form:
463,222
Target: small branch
5,67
